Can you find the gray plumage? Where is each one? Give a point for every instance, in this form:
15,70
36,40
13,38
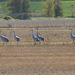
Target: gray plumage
4,39
15,37
39,37
34,37
72,36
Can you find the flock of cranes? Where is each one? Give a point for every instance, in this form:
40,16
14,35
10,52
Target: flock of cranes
37,38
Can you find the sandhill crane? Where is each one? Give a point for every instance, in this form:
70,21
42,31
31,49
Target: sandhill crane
16,37
39,37
72,36
4,39
35,38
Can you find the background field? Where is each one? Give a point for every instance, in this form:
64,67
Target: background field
54,56
37,8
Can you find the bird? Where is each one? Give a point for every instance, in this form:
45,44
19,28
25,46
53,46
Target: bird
35,38
16,37
4,39
72,36
39,37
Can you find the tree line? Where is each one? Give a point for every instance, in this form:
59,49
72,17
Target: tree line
18,6
52,8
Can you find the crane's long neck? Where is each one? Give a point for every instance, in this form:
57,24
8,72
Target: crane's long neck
14,33
32,34
37,32
71,33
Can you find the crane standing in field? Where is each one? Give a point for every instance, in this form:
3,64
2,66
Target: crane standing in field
39,37
16,37
4,39
72,36
35,38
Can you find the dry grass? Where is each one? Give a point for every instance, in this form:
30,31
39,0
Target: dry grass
54,56
37,23
37,60
52,35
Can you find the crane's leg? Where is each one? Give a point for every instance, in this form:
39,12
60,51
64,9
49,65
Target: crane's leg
6,43
17,42
34,43
3,42
73,44
39,42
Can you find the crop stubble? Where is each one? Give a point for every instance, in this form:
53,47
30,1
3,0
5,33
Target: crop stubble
43,59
